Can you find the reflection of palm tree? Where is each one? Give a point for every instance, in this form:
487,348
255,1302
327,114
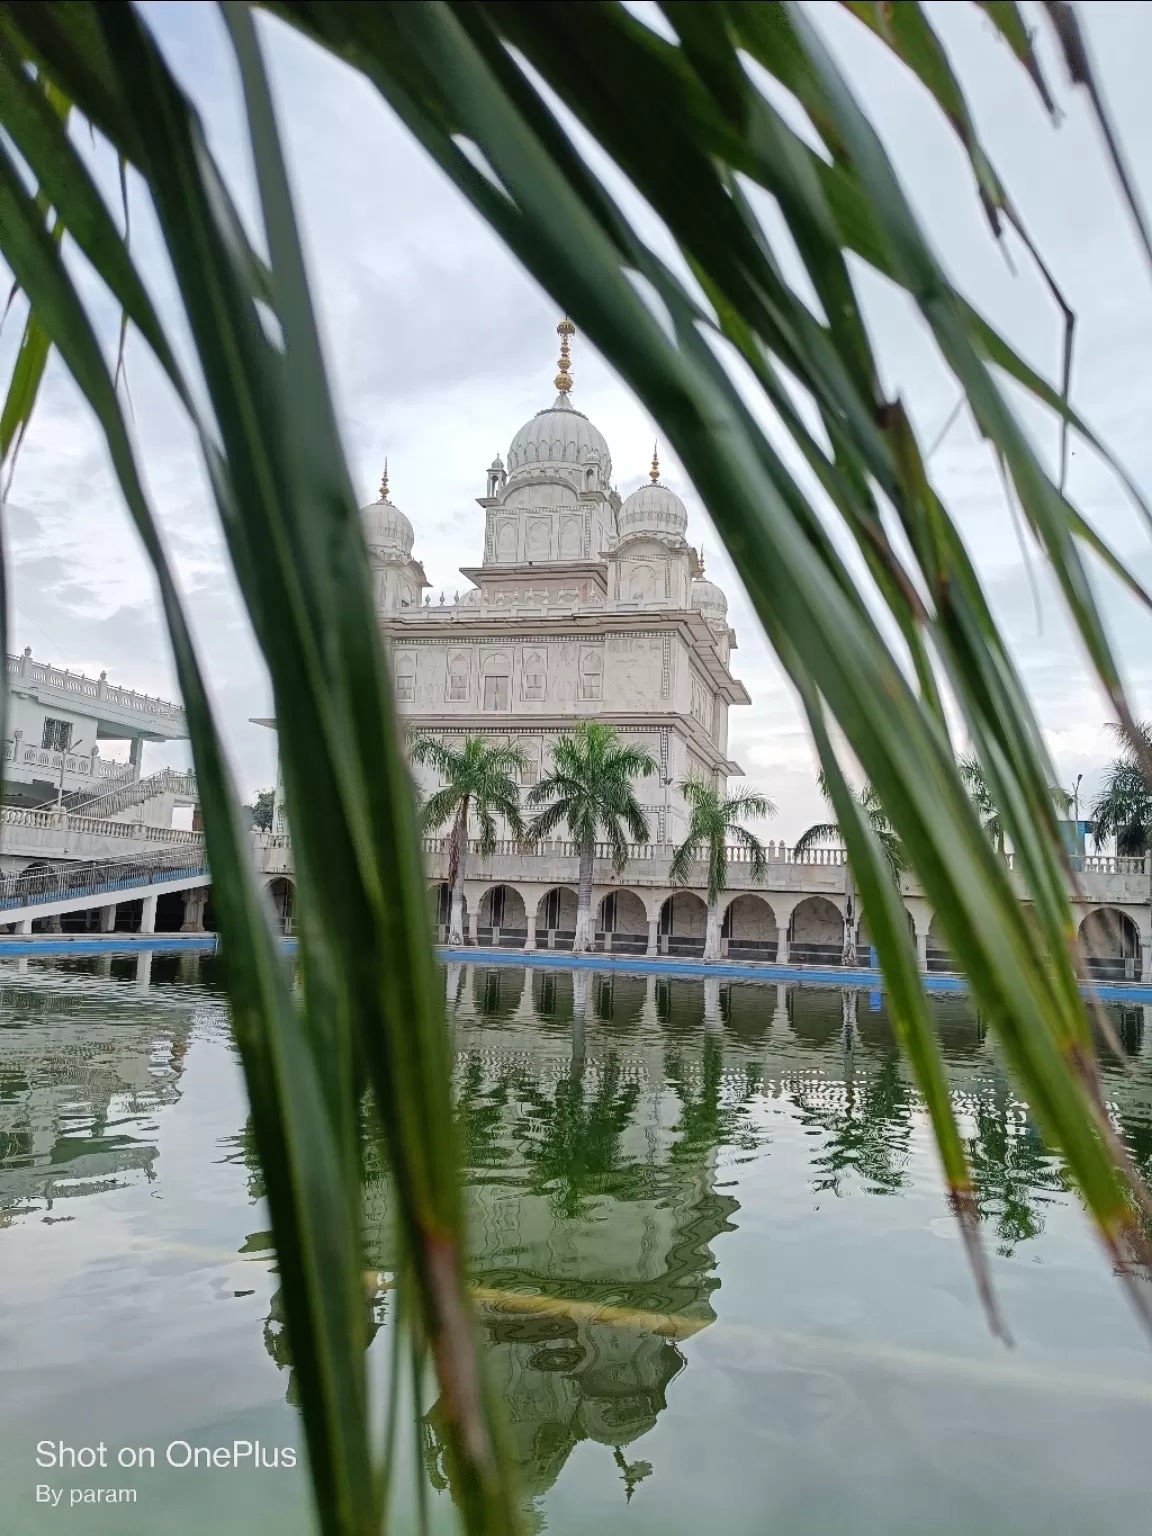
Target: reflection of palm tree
867,1130
571,1140
707,1119
1014,1172
480,1115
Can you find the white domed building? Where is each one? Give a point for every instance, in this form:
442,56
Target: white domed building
583,605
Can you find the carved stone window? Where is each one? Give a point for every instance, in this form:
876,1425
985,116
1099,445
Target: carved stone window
497,682
495,693
535,676
591,675
405,679
458,679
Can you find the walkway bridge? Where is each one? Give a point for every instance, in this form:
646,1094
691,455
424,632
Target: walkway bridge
106,885
31,838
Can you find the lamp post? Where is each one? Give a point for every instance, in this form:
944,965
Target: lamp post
1076,814
60,786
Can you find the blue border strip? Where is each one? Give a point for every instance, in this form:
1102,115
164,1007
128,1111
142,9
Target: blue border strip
635,965
820,975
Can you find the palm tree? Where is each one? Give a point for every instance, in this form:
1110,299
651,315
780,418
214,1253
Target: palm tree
478,781
980,794
890,846
589,790
1123,805
714,819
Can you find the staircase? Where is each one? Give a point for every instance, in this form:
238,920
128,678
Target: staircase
68,885
123,796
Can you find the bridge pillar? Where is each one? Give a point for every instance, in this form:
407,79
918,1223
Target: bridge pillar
53,924
108,919
148,915
23,926
195,901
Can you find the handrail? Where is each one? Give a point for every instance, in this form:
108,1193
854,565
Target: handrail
65,881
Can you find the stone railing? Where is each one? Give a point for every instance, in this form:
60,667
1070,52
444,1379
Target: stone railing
506,847
95,690
62,821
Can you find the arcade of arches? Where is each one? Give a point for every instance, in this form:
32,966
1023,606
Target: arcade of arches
783,928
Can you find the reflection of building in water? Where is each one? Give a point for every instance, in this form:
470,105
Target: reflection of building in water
590,1219
74,1067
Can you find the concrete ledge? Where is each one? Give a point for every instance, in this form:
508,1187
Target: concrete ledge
101,944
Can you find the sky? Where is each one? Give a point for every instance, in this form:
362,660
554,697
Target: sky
439,346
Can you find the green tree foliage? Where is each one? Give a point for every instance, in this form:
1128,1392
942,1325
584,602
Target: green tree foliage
261,808
481,782
714,821
1122,808
589,791
873,820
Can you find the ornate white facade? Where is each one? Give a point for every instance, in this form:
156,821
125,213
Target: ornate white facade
583,605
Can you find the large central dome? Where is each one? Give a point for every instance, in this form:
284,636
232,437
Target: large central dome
560,437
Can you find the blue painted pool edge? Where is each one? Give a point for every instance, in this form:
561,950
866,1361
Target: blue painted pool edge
635,965
821,975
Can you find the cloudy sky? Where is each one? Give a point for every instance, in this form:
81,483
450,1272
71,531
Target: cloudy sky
440,347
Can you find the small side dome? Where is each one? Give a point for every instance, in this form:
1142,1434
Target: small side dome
471,598
709,601
652,510
386,530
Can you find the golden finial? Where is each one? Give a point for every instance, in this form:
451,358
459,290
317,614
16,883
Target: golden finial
654,472
384,483
564,378
701,557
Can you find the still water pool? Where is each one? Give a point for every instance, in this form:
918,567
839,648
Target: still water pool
718,1286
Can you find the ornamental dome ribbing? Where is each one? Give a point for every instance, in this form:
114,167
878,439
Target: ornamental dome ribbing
560,437
386,530
653,510
709,601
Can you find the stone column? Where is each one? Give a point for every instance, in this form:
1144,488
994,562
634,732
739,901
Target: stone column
922,949
530,924
108,919
195,901
148,915
53,924
473,926
654,937
135,755
1144,927
23,926
782,944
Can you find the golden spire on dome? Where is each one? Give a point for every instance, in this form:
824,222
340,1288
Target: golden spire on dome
384,483
564,378
701,561
654,472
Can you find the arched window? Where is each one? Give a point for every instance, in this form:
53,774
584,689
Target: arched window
591,675
405,679
458,678
535,675
496,681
